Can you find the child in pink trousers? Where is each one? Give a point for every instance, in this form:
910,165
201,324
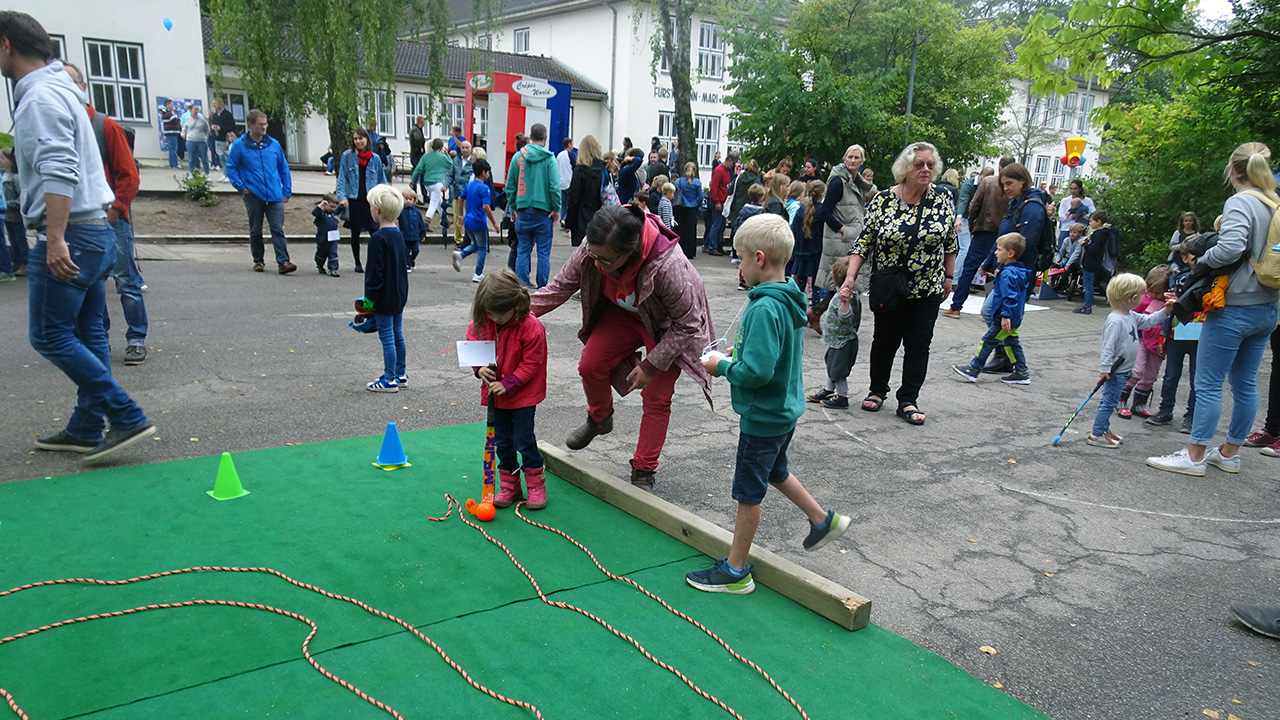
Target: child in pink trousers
1150,349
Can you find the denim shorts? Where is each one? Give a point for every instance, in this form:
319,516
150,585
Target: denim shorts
761,461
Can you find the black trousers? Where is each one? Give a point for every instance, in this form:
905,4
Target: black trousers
909,326
1273,394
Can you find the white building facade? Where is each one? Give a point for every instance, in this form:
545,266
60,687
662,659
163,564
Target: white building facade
131,53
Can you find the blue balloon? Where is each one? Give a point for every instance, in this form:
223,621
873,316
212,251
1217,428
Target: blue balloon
168,24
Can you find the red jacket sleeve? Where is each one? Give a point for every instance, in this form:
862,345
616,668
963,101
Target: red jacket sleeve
719,185
123,173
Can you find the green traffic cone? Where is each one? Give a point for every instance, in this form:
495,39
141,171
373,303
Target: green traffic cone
227,486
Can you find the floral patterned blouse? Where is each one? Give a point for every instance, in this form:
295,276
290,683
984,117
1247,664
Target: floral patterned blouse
893,227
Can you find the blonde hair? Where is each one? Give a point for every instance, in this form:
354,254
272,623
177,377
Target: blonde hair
906,159
387,200
658,182
1012,241
588,151
668,189
795,190
1076,228
478,153
840,270
768,233
951,177
409,195
1251,164
778,185
1217,223
690,170
499,292
1125,289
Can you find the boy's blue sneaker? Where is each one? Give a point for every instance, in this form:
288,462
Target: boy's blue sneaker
402,380
1017,377
968,373
381,385
722,579
830,529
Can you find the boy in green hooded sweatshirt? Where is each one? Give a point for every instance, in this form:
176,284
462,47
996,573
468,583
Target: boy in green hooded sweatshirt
768,395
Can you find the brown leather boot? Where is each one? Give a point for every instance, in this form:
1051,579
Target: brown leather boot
586,432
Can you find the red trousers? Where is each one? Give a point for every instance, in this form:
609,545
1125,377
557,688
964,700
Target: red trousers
616,335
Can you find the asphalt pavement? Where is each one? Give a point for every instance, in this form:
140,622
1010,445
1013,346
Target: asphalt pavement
1101,584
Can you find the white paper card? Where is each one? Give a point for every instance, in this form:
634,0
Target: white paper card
334,236
472,353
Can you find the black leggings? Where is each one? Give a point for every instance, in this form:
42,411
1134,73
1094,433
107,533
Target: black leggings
355,243
1272,425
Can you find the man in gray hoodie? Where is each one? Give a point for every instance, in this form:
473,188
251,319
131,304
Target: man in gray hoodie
64,196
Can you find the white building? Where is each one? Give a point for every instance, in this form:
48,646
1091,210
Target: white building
609,44
132,55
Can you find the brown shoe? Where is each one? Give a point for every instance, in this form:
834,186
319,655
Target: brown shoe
815,320
586,432
287,267
951,313
642,479
19,270
259,267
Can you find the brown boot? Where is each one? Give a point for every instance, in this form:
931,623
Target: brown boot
534,480
815,320
509,489
642,479
586,432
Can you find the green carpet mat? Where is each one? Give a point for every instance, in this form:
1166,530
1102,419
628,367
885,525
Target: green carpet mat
323,515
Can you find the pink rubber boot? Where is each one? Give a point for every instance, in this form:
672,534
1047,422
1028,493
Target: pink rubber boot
509,489
533,480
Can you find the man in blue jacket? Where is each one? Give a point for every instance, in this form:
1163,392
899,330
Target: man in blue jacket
257,168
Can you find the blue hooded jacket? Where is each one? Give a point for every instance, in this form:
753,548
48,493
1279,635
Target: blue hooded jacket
260,168
1009,299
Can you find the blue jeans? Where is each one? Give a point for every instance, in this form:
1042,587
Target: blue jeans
274,213
1174,352
128,285
1087,279
392,336
513,431
18,249
198,156
979,248
1231,343
326,251
533,228
1110,400
715,232
477,244
6,264
171,142
965,239
212,149
66,328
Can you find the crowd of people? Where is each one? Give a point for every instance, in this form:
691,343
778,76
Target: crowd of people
810,253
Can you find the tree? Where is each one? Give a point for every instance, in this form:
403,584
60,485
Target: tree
323,56
675,18
843,77
1022,135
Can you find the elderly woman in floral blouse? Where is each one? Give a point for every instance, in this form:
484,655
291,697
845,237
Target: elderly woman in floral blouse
911,224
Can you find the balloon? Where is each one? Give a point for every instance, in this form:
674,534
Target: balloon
168,24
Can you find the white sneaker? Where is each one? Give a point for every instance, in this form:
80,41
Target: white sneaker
477,278
1226,464
457,261
1178,462
1104,441
408,270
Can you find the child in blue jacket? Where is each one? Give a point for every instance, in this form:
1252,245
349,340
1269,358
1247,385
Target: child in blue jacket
1009,300
412,227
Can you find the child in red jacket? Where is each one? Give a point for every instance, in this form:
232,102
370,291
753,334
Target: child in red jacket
500,312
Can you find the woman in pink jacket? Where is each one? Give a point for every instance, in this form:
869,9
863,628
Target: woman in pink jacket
638,289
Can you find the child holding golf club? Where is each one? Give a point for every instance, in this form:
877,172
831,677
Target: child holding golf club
1120,336
500,312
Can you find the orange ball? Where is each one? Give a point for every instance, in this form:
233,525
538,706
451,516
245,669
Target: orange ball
485,512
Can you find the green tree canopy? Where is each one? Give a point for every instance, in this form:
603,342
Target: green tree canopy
835,72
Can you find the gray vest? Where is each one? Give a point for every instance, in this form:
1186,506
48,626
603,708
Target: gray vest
849,211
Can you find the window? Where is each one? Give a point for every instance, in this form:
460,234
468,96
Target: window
732,145
117,82
707,130
1051,112
1041,173
59,46
666,49
1086,106
710,51
1059,171
1034,105
485,42
415,104
1069,111
666,126
452,108
522,40
235,102
381,106
480,117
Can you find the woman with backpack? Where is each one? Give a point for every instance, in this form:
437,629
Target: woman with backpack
1234,338
585,188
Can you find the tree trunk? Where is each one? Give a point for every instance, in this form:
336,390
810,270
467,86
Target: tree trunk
681,83
339,134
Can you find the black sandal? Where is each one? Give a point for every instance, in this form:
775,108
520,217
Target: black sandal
876,402
910,415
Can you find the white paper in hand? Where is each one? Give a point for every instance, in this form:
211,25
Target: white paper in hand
472,353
